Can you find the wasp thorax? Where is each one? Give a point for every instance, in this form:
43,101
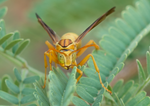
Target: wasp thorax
65,42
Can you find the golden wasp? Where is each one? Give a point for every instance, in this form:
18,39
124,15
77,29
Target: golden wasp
67,49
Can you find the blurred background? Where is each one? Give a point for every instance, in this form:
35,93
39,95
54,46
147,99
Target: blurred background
64,16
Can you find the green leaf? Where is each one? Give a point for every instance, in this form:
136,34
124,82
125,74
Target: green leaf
70,89
99,98
4,86
11,44
91,90
9,98
78,102
148,62
17,75
117,86
143,102
31,79
108,96
104,70
115,41
116,98
27,91
146,81
27,99
15,37
24,73
122,103
12,86
61,76
144,84
137,98
125,89
110,78
112,49
130,93
84,94
41,94
22,46
64,92
141,72
3,11
122,25
91,73
90,82
3,39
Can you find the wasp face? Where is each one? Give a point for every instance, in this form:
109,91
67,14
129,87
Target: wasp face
67,59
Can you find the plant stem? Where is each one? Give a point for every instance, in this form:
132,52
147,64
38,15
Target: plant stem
17,60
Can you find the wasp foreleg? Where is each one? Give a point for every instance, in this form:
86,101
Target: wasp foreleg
52,57
89,44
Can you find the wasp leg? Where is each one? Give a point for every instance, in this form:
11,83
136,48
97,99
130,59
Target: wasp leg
95,65
78,70
45,64
81,73
50,46
84,49
51,55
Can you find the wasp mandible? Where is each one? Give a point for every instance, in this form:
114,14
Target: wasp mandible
68,48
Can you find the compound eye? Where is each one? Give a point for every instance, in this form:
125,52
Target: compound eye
60,58
73,57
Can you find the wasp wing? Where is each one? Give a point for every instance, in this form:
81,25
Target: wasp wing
48,30
95,24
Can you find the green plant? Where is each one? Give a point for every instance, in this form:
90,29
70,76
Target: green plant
17,92
118,42
131,93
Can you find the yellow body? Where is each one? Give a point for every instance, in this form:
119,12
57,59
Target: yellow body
67,59
68,48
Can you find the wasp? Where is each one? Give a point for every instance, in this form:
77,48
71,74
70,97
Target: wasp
68,48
